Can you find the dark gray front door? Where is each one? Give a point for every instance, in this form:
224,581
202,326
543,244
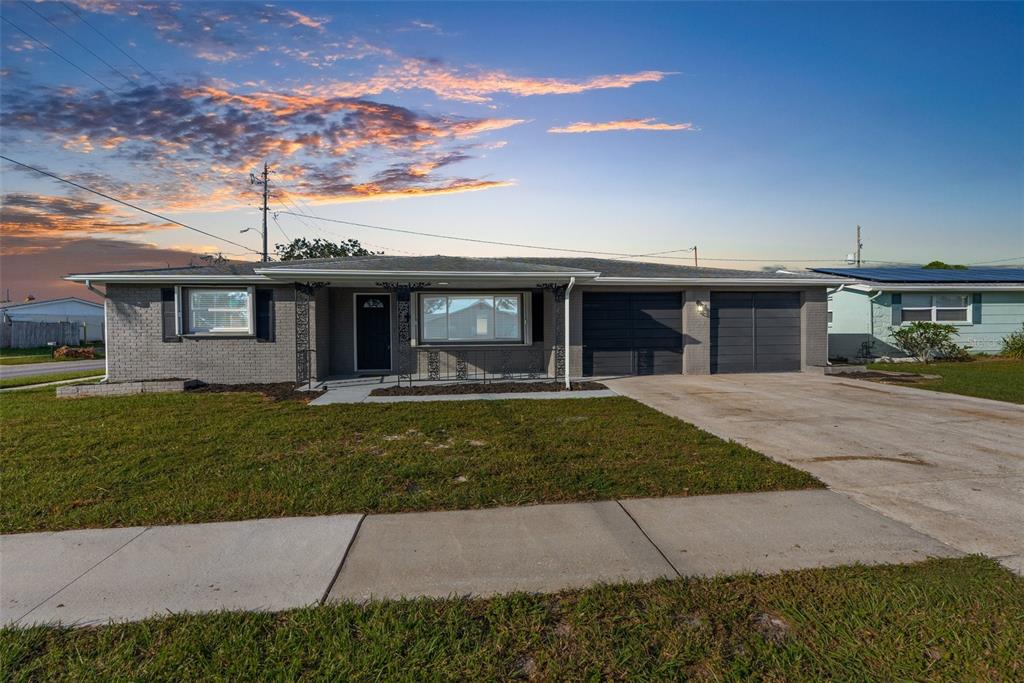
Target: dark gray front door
635,333
373,332
755,332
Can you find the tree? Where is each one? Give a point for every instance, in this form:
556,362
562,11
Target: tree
927,341
939,265
301,248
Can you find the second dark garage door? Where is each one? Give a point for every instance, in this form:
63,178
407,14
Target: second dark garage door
635,333
755,332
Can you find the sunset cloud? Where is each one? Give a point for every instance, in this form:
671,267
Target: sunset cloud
37,216
210,136
479,85
622,124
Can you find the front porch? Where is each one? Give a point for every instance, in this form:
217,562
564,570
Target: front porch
391,333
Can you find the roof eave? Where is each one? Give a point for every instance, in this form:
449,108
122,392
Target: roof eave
824,282
163,278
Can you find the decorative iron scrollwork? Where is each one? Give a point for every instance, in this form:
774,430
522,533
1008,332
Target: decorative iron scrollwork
304,292
558,346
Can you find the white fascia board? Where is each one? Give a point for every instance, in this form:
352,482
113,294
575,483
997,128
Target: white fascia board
722,281
171,279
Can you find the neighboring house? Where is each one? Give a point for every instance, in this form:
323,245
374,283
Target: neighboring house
89,314
985,304
455,318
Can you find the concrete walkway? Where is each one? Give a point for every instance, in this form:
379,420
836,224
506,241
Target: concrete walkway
949,466
92,576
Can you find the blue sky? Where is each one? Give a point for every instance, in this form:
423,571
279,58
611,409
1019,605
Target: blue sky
754,131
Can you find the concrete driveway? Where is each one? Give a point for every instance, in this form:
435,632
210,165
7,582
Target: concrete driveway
946,465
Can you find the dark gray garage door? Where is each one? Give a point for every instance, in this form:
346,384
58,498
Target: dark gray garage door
639,333
755,332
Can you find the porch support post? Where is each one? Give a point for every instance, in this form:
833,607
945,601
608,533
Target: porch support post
568,294
304,291
560,335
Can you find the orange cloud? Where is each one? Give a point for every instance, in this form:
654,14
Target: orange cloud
479,86
623,124
33,215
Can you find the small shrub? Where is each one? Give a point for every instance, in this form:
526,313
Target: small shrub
1013,344
84,352
925,341
955,353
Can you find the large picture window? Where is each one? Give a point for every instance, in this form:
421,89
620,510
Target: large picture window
219,311
471,318
938,308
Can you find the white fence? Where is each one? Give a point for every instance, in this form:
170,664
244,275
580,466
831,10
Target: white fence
23,334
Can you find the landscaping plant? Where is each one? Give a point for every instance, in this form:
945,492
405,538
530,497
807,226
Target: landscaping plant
928,341
1013,344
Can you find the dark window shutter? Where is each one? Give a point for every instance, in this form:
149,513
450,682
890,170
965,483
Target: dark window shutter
168,315
265,314
537,313
897,309
976,308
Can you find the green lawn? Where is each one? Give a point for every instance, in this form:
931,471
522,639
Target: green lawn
8,382
951,619
999,379
194,457
42,354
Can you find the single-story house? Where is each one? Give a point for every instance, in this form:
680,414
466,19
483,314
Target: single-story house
986,304
88,314
456,318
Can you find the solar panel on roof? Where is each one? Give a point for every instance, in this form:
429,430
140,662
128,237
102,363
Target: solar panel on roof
991,275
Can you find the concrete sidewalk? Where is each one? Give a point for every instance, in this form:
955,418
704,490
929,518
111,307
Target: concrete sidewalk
92,576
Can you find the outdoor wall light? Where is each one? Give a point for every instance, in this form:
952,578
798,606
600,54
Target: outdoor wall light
702,308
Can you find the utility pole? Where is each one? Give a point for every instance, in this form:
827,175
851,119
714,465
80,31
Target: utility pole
695,257
860,245
264,180
266,196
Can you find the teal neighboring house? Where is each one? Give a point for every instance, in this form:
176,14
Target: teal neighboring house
986,304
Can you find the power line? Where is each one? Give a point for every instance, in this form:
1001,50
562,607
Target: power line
75,12
58,54
578,251
1001,260
452,237
128,204
77,42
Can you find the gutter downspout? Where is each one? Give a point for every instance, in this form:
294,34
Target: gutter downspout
106,356
568,290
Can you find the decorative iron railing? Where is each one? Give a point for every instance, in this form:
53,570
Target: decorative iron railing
474,365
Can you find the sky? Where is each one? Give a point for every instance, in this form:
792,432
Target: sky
760,133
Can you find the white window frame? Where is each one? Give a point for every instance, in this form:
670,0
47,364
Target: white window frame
184,315
968,309
525,319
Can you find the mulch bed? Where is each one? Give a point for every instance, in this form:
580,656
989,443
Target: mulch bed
279,391
492,388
